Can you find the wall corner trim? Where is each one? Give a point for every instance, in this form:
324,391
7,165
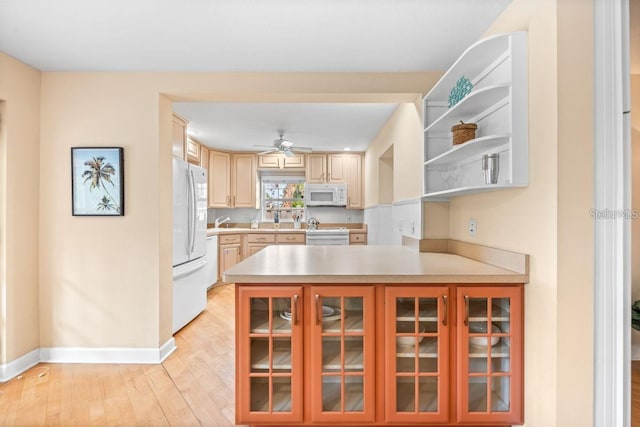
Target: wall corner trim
19,365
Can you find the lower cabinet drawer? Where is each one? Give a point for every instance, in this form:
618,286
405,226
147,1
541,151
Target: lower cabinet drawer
261,238
358,238
226,239
291,238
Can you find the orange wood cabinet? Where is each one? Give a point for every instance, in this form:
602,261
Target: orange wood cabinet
269,356
490,377
361,354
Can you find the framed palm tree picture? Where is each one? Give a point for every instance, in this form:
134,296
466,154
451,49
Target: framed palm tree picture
97,181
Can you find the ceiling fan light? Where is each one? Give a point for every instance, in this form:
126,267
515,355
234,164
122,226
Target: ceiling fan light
288,153
286,144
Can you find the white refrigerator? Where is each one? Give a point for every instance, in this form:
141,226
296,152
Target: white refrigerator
189,242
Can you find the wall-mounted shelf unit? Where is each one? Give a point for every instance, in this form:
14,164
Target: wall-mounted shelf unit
497,68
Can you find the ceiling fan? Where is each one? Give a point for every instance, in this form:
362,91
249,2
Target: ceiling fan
284,146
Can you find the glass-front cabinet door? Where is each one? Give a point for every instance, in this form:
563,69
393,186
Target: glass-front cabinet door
269,349
417,354
342,354
490,349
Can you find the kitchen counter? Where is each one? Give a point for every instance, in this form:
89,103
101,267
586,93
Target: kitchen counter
365,264
235,230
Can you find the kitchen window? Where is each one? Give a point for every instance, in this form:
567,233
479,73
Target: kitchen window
282,197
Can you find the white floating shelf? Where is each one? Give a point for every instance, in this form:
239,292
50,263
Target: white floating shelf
497,67
463,191
468,149
477,101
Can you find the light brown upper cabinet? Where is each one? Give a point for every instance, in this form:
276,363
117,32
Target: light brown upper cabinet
316,169
179,136
204,157
352,169
193,151
219,179
279,161
338,168
243,182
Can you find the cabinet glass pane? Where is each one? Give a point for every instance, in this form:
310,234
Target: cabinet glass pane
281,396
332,397
478,394
280,359
428,315
280,315
478,365
428,394
354,394
331,351
500,394
501,356
331,314
259,394
428,364
332,354
354,354
477,309
406,394
353,311
331,393
501,314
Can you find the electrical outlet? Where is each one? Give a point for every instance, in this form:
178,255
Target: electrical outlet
473,227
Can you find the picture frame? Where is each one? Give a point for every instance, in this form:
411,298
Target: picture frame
97,181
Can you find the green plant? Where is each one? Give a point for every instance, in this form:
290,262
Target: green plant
635,315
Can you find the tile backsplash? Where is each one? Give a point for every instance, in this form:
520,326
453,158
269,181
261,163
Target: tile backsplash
322,214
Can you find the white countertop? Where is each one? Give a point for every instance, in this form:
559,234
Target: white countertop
363,264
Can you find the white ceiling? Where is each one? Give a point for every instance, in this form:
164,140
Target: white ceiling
322,127
242,35
252,36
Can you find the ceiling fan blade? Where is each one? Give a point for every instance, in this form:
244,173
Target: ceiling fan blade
263,145
302,149
273,150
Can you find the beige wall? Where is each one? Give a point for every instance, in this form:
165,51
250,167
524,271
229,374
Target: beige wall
403,132
19,178
106,282
550,218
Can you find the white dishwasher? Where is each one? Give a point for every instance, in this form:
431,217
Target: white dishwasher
212,260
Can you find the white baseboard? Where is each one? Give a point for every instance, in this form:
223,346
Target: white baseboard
19,365
107,354
635,352
86,355
167,348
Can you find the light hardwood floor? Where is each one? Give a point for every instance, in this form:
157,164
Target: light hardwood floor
635,393
193,387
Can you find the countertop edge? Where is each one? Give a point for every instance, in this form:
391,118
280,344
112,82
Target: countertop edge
382,279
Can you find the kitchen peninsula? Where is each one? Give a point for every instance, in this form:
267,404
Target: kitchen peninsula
382,335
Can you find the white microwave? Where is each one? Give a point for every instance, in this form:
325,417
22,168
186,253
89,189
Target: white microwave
325,194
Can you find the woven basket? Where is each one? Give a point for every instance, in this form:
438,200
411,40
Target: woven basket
463,132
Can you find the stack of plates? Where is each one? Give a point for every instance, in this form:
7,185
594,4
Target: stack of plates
328,313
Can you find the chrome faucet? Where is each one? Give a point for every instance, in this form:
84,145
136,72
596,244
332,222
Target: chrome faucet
219,221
